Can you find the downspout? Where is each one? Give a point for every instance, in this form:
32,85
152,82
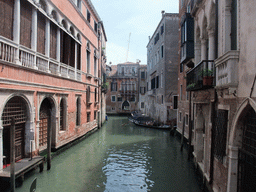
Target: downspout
213,107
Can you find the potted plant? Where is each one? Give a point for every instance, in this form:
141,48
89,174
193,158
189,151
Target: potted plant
207,75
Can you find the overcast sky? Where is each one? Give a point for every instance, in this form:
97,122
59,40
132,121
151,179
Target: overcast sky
138,17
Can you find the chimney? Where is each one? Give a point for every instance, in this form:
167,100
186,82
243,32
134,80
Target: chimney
149,38
163,12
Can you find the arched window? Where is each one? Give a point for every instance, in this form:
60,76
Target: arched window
64,24
43,5
72,31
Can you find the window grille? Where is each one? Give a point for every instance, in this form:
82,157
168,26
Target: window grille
14,108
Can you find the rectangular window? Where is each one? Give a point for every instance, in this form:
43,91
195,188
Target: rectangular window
142,75
162,51
162,29
181,92
175,102
113,98
153,83
157,81
142,105
88,55
114,86
132,98
88,16
180,117
187,95
119,99
95,66
95,115
186,119
95,26
88,117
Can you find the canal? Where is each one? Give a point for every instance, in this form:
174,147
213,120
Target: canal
120,157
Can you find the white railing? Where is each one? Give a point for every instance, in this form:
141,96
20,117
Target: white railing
9,52
226,69
27,57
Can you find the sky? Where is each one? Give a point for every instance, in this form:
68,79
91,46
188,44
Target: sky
131,19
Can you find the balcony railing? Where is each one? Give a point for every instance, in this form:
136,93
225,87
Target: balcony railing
201,76
22,56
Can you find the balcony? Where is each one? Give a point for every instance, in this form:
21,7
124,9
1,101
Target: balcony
227,70
22,56
187,38
201,76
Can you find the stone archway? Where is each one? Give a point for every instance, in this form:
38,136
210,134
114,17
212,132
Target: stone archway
16,107
237,150
126,105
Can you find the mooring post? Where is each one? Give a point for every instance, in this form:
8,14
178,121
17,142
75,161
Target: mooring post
49,138
12,154
182,136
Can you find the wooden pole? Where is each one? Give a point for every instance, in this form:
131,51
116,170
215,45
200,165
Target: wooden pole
182,136
49,138
12,154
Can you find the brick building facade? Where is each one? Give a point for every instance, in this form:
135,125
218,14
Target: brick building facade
51,59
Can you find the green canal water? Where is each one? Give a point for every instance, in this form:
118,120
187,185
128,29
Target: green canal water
120,157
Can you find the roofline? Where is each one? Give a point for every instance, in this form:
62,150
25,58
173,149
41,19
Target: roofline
93,9
163,16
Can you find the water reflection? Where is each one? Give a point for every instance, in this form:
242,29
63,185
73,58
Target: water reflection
120,157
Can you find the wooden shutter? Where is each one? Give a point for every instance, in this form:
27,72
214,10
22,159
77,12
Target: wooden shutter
53,46
25,24
6,18
41,33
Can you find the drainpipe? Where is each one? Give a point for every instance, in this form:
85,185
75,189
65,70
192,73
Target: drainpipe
213,111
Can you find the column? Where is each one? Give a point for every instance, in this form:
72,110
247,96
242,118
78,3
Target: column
232,169
211,47
197,52
34,34
203,49
47,41
227,26
75,61
16,29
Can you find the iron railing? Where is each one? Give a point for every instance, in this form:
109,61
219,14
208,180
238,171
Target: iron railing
201,76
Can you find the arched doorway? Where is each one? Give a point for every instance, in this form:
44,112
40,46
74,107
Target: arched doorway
247,154
15,107
126,106
45,120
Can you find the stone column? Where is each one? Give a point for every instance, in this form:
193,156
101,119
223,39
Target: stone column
211,47
197,52
227,26
75,61
34,34
203,49
16,29
232,169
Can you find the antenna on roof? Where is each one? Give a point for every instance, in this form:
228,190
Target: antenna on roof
128,47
